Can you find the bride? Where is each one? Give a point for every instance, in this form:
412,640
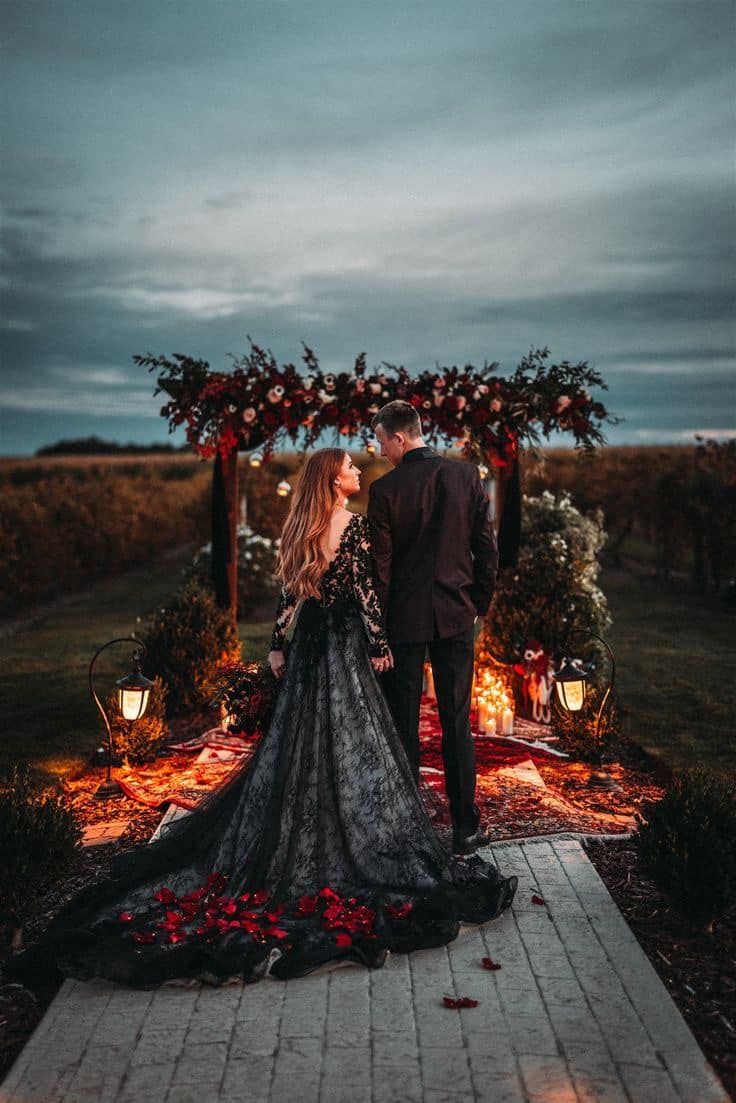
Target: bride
319,848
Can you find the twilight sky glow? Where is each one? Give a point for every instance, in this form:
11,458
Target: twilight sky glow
428,182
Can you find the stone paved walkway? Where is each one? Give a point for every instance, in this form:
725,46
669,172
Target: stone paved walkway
576,1013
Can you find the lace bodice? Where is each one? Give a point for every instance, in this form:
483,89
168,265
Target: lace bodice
349,576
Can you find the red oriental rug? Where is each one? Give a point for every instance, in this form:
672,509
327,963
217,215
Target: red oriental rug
525,788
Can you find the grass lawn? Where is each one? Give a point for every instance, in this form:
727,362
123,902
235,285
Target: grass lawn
50,717
675,668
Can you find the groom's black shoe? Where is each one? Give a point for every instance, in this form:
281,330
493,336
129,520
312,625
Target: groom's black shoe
466,844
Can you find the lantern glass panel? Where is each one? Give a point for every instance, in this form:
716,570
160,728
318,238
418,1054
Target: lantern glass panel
133,702
571,694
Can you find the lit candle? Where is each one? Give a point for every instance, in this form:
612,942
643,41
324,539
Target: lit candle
508,722
429,681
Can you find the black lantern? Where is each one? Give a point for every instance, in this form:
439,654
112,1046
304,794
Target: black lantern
133,692
572,683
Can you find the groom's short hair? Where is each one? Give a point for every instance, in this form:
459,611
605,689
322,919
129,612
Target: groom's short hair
398,417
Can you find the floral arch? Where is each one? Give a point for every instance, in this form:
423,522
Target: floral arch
262,405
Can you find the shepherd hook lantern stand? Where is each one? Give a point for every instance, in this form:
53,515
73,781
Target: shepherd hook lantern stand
133,691
572,682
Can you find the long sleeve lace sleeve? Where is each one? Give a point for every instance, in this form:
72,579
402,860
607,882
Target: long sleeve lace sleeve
365,593
285,611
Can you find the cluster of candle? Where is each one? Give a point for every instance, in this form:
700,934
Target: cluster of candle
494,703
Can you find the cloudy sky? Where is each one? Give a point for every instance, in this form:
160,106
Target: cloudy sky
429,182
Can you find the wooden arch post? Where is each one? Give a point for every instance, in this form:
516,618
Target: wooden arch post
225,531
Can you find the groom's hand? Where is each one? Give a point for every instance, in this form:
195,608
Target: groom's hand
384,663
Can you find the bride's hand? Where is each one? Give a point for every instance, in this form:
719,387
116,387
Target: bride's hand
384,663
277,662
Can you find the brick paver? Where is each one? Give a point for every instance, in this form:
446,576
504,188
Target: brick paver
576,1013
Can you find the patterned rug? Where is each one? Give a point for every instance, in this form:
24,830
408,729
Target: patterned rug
526,787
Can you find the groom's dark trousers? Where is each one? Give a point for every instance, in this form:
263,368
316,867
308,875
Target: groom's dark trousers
435,559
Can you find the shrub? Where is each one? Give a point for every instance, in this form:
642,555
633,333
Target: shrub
576,730
39,839
687,843
553,587
138,741
256,566
185,643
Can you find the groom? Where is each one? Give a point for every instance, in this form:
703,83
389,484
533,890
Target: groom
436,560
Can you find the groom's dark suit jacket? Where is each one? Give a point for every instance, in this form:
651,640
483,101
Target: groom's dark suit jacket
434,547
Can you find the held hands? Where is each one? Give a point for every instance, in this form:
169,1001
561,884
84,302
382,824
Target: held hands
384,663
277,662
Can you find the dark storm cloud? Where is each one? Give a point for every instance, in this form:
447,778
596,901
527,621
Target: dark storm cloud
423,182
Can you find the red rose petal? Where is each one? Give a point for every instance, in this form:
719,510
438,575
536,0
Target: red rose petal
144,938
537,899
459,1001
126,917
343,939
165,896
488,964
399,911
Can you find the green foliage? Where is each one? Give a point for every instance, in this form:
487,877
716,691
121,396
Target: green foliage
553,587
687,843
256,566
39,839
138,741
185,643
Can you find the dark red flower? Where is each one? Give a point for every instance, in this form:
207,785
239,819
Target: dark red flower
177,936
275,932
328,894
126,917
261,896
343,939
175,918
166,896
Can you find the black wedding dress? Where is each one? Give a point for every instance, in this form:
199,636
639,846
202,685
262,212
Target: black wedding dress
319,848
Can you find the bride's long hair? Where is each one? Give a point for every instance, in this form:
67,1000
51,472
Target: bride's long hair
301,560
